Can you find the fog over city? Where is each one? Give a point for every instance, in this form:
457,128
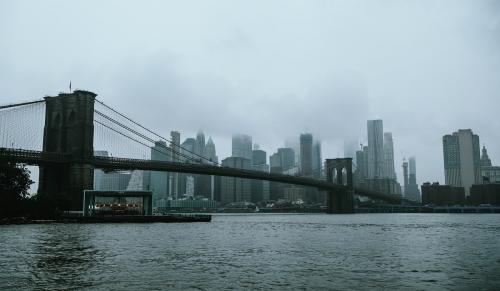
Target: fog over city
270,69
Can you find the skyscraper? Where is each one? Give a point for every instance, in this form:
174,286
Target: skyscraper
405,177
159,180
260,189
389,171
462,163
235,189
210,152
361,164
175,137
199,146
242,146
413,193
287,158
375,148
317,166
306,154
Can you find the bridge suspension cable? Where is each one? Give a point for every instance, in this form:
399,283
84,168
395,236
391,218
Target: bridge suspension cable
138,134
158,135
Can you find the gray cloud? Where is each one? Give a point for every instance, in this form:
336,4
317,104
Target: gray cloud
272,69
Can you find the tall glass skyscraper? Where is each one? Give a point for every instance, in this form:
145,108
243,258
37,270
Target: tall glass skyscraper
306,154
389,171
375,148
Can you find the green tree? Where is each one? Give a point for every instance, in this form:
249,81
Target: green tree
14,185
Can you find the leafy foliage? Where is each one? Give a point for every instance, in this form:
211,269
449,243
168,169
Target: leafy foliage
14,185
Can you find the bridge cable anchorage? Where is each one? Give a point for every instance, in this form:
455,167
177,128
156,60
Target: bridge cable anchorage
142,143
157,135
140,135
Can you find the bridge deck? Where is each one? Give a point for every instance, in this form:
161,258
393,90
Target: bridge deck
41,158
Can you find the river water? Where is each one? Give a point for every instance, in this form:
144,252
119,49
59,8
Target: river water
258,251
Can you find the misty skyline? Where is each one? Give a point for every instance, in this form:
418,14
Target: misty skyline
272,70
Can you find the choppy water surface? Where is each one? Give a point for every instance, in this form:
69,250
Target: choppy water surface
266,251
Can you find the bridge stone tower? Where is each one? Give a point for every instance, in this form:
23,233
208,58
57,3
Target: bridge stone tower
339,171
68,131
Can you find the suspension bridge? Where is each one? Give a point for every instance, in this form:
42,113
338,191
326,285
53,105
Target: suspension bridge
59,134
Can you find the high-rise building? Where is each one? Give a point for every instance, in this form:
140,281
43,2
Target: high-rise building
211,155
260,189
199,146
389,171
375,148
306,154
294,144
175,147
242,146
413,193
287,158
405,177
235,189
210,152
317,166
361,172
159,180
259,157
187,150
462,163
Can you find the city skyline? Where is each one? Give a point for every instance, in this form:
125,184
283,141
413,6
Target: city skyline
239,78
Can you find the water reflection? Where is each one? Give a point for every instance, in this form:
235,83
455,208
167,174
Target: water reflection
63,257
362,252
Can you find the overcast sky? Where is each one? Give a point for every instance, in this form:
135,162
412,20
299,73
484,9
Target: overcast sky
271,69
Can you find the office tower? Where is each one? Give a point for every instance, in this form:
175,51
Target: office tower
389,171
317,166
286,158
375,148
175,138
294,144
175,147
235,189
242,146
210,152
361,172
405,177
159,180
199,147
462,163
306,154
187,149
259,157
260,189
413,192
485,159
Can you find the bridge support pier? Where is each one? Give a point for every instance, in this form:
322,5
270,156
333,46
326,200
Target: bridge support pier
69,130
339,171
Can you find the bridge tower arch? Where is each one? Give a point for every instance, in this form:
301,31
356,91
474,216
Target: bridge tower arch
68,131
339,171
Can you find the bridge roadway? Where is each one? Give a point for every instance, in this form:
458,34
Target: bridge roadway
40,158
